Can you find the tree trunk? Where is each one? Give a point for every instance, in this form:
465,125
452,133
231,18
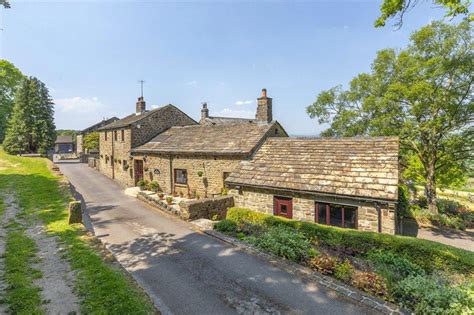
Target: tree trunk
430,189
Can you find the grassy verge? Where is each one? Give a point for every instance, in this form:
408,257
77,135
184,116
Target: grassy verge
103,288
423,276
22,296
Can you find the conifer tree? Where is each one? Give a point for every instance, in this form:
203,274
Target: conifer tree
31,127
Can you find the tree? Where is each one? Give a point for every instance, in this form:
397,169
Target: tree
397,9
31,126
5,4
10,78
91,141
423,94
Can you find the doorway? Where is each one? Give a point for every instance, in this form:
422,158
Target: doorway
138,167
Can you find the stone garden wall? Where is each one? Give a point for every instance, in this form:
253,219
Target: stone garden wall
208,208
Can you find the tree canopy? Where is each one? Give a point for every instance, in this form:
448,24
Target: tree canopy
396,9
423,94
91,141
5,4
10,78
31,126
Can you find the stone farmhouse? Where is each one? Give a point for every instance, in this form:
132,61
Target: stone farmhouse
118,139
80,135
196,159
345,182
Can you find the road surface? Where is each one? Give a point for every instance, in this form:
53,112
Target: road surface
187,272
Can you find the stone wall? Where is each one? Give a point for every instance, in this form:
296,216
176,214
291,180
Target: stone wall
79,140
206,208
212,168
261,200
119,155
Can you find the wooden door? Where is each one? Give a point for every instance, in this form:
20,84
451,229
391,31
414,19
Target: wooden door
138,167
283,207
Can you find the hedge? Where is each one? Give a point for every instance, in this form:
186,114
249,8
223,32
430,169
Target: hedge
427,254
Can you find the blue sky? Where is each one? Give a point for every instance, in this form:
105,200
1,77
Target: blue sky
91,54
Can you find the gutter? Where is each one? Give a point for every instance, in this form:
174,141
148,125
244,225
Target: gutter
309,192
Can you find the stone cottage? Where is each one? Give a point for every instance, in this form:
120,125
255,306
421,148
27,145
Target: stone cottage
344,182
118,138
81,134
197,159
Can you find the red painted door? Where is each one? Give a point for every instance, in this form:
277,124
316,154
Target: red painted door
283,207
138,171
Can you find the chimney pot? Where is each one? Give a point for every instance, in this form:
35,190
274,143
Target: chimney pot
141,106
264,92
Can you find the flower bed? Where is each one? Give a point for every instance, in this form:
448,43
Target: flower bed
423,276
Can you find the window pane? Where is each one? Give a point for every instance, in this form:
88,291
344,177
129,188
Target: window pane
350,214
283,209
181,177
321,213
335,215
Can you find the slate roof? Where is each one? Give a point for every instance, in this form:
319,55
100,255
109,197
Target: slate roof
64,139
225,120
133,118
96,126
227,139
362,167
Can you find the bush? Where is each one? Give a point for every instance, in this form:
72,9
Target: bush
393,267
433,295
344,271
426,254
369,282
226,226
154,186
284,242
325,264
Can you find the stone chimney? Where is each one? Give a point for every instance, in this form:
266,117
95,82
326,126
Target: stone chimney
141,106
204,111
264,108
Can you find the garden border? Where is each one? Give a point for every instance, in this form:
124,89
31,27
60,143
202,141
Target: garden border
311,275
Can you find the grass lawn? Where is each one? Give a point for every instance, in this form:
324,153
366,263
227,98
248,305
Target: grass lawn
102,287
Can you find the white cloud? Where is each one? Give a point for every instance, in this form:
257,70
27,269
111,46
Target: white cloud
154,106
192,83
243,102
79,112
78,104
229,112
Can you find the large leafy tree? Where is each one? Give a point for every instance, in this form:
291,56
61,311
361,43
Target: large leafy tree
5,4
396,9
10,78
91,141
31,126
423,94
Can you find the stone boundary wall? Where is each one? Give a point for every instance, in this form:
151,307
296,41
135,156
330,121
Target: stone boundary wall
206,208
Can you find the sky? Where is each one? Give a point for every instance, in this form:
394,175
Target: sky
91,54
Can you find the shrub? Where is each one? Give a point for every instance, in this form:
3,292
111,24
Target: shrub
434,295
284,242
344,271
369,282
325,264
154,186
426,254
141,183
226,226
393,267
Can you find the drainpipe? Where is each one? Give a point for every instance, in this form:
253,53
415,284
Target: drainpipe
379,216
113,156
171,174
